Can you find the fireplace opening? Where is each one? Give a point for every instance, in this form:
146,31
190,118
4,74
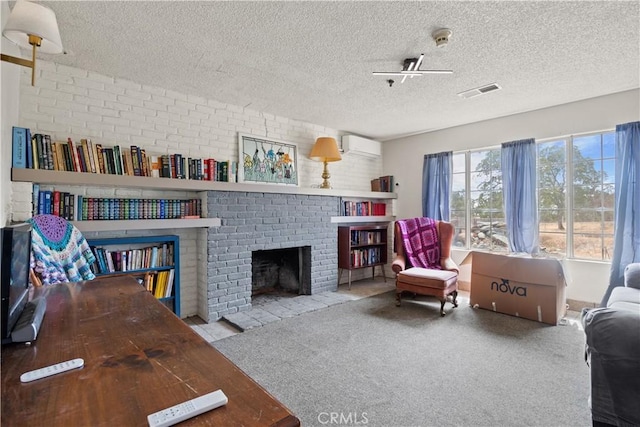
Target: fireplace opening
281,271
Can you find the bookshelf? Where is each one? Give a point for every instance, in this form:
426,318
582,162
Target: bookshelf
87,179
362,246
153,260
377,207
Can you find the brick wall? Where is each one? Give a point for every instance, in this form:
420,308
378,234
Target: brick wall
258,221
71,102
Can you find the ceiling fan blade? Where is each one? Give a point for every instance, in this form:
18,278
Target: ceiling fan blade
431,72
397,73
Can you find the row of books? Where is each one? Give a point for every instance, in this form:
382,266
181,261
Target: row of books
38,151
350,208
365,257
159,283
113,261
74,207
383,183
365,237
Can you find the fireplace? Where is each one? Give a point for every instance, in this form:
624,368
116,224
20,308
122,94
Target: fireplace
281,271
253,221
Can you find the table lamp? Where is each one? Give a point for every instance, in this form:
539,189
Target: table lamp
325,150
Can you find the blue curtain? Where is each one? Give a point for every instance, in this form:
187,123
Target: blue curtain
436,185
626,244
519,195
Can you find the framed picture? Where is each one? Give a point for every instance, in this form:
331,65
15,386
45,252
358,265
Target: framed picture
267,161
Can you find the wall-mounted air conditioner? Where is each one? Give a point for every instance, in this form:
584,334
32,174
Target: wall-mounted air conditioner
356,145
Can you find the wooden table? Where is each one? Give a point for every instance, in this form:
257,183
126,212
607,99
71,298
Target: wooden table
139,358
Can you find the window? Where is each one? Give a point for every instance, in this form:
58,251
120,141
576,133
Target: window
552,195
458,208
488,229
575,188
593,194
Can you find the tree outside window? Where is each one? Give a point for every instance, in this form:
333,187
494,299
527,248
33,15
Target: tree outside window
576,192
488,227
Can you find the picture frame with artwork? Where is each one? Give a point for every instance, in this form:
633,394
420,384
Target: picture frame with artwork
265,160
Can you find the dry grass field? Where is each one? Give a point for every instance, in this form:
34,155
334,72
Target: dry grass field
589,240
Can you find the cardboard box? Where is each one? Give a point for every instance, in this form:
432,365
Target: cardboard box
523,286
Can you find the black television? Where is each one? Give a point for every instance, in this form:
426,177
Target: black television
15,253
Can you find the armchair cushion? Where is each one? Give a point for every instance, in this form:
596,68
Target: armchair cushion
428,277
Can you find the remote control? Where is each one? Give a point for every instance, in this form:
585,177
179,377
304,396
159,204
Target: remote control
47,371
190,408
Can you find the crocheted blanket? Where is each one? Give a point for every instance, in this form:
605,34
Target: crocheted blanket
420,242
59,252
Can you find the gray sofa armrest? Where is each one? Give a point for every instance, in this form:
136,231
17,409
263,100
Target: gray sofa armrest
613,355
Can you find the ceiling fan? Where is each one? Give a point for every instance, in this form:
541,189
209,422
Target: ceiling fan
411,66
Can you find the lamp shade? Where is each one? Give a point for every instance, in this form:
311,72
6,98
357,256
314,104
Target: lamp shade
29,18
325,150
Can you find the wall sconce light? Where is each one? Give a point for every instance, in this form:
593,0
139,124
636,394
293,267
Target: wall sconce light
32,26
325,150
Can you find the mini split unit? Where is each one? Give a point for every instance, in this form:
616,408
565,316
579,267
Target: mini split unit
358,146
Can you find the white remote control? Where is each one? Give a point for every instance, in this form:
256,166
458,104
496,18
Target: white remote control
190,408
47,371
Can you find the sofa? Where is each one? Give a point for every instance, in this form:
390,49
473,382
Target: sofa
612,353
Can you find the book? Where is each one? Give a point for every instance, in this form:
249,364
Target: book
34,151
169,285
135,159
154,257
155,166
29,149
47,152
19,143
117,157
55,209
35,198
81,159
144,162
73,156
165,166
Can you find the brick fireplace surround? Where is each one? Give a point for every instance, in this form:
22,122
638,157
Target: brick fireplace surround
252,221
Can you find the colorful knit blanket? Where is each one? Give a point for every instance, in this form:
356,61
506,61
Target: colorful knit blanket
420,242
59,252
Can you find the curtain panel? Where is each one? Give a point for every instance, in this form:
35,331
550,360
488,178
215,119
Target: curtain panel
436,185
626,244
519,195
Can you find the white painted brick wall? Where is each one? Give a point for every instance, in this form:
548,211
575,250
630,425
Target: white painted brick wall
70,102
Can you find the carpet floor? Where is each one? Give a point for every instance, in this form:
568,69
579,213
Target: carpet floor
368,362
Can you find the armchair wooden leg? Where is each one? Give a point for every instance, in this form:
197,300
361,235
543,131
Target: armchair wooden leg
398,298
455,298
442,301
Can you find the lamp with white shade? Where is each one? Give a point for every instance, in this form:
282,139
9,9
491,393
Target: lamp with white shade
325,150
32,25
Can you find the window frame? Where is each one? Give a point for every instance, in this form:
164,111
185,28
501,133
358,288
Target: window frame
569,192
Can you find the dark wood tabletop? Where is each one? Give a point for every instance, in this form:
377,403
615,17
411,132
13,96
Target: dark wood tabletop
139,358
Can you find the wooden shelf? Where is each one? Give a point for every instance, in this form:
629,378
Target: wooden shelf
143,182
371,240
361,219
145,224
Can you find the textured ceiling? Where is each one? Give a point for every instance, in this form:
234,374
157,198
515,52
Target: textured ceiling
312,61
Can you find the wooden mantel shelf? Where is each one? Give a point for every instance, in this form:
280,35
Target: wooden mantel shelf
142,182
